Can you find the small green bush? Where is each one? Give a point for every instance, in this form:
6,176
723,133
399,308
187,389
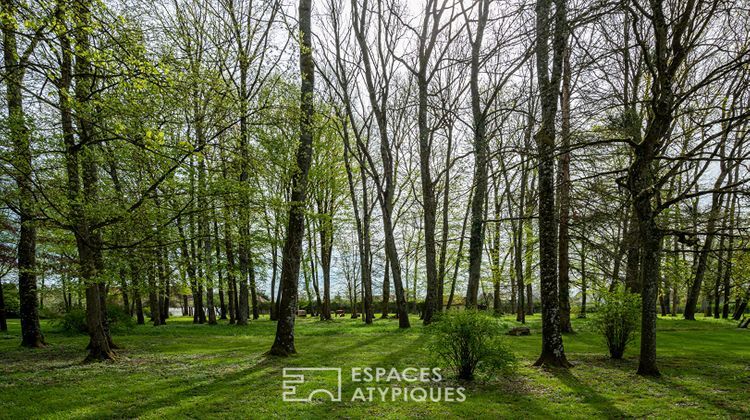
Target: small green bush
469,341
119,319
51,312
75,320
617,319
12,304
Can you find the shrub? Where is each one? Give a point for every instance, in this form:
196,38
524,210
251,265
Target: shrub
51,312
119,319
12,304
617,319
75,320
467,341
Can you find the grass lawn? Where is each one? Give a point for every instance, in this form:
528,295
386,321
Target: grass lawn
186,370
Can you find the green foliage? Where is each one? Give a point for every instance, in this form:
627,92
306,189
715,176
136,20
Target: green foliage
617,319
468,341
51,311
676,269
10,297
74,322
119,319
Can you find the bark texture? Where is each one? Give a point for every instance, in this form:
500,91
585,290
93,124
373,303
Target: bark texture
476,238
553,353
15,66
284,342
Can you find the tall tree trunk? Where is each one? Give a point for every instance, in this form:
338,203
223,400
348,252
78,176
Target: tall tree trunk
204,222
641,178
222,302
208,276
386,289
326,248
366,258
231,280
64,288
619,252
729,253
362,221
512,279
164,286
124,290
429,211
253,289
415,275
81,164
15,66
306,276
445,228
387,191
278,298
187,250
3,322
667,297
584,281
195,267
135,281
476,239
702,264
153,299
312,258
719,277
459,254
633,281
518,228
431,27
243,297
112,168
243,311
401,308
563,194
553,353
497,269
670,45
529,254
274,273
284,341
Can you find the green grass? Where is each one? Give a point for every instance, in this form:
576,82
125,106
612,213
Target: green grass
186,370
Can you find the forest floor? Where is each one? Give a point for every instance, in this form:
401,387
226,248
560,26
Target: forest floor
198,371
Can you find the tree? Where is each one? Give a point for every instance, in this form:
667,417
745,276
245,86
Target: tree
15,69
553,353
81,164
563,194
378,96
284,342
423,71
476,240
666,37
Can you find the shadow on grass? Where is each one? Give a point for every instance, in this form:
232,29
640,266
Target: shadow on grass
589,396
218,371
707,397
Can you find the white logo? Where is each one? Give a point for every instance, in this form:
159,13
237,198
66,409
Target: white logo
296,376
302,384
